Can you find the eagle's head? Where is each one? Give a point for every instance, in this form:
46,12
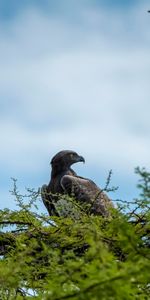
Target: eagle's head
66,158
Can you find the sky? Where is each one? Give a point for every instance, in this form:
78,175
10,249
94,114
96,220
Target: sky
74,75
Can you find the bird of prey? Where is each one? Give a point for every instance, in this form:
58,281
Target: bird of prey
64,181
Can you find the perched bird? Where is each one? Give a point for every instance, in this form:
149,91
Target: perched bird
64,181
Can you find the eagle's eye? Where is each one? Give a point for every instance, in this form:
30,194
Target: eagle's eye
71,155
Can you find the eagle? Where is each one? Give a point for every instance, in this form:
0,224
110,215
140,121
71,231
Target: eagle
64,181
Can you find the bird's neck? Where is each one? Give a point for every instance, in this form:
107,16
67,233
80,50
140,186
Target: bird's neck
57,170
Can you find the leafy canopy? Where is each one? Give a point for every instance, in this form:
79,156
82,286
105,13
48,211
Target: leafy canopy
77,257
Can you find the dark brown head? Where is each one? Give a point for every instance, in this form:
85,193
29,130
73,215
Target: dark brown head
64,159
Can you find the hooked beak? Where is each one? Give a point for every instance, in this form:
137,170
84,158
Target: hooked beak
81,158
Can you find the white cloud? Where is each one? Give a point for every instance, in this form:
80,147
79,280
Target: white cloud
79,86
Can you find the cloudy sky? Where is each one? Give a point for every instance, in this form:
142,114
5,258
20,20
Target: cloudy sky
74,74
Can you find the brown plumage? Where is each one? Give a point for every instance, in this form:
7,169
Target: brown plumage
65,181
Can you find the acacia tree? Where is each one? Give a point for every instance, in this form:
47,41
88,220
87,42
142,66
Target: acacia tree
81,256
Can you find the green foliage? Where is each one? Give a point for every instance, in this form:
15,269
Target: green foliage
88,257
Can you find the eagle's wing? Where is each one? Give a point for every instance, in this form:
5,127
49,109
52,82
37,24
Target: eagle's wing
87,191
49,200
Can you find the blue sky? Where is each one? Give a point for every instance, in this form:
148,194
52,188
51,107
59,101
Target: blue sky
74,75
10,8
